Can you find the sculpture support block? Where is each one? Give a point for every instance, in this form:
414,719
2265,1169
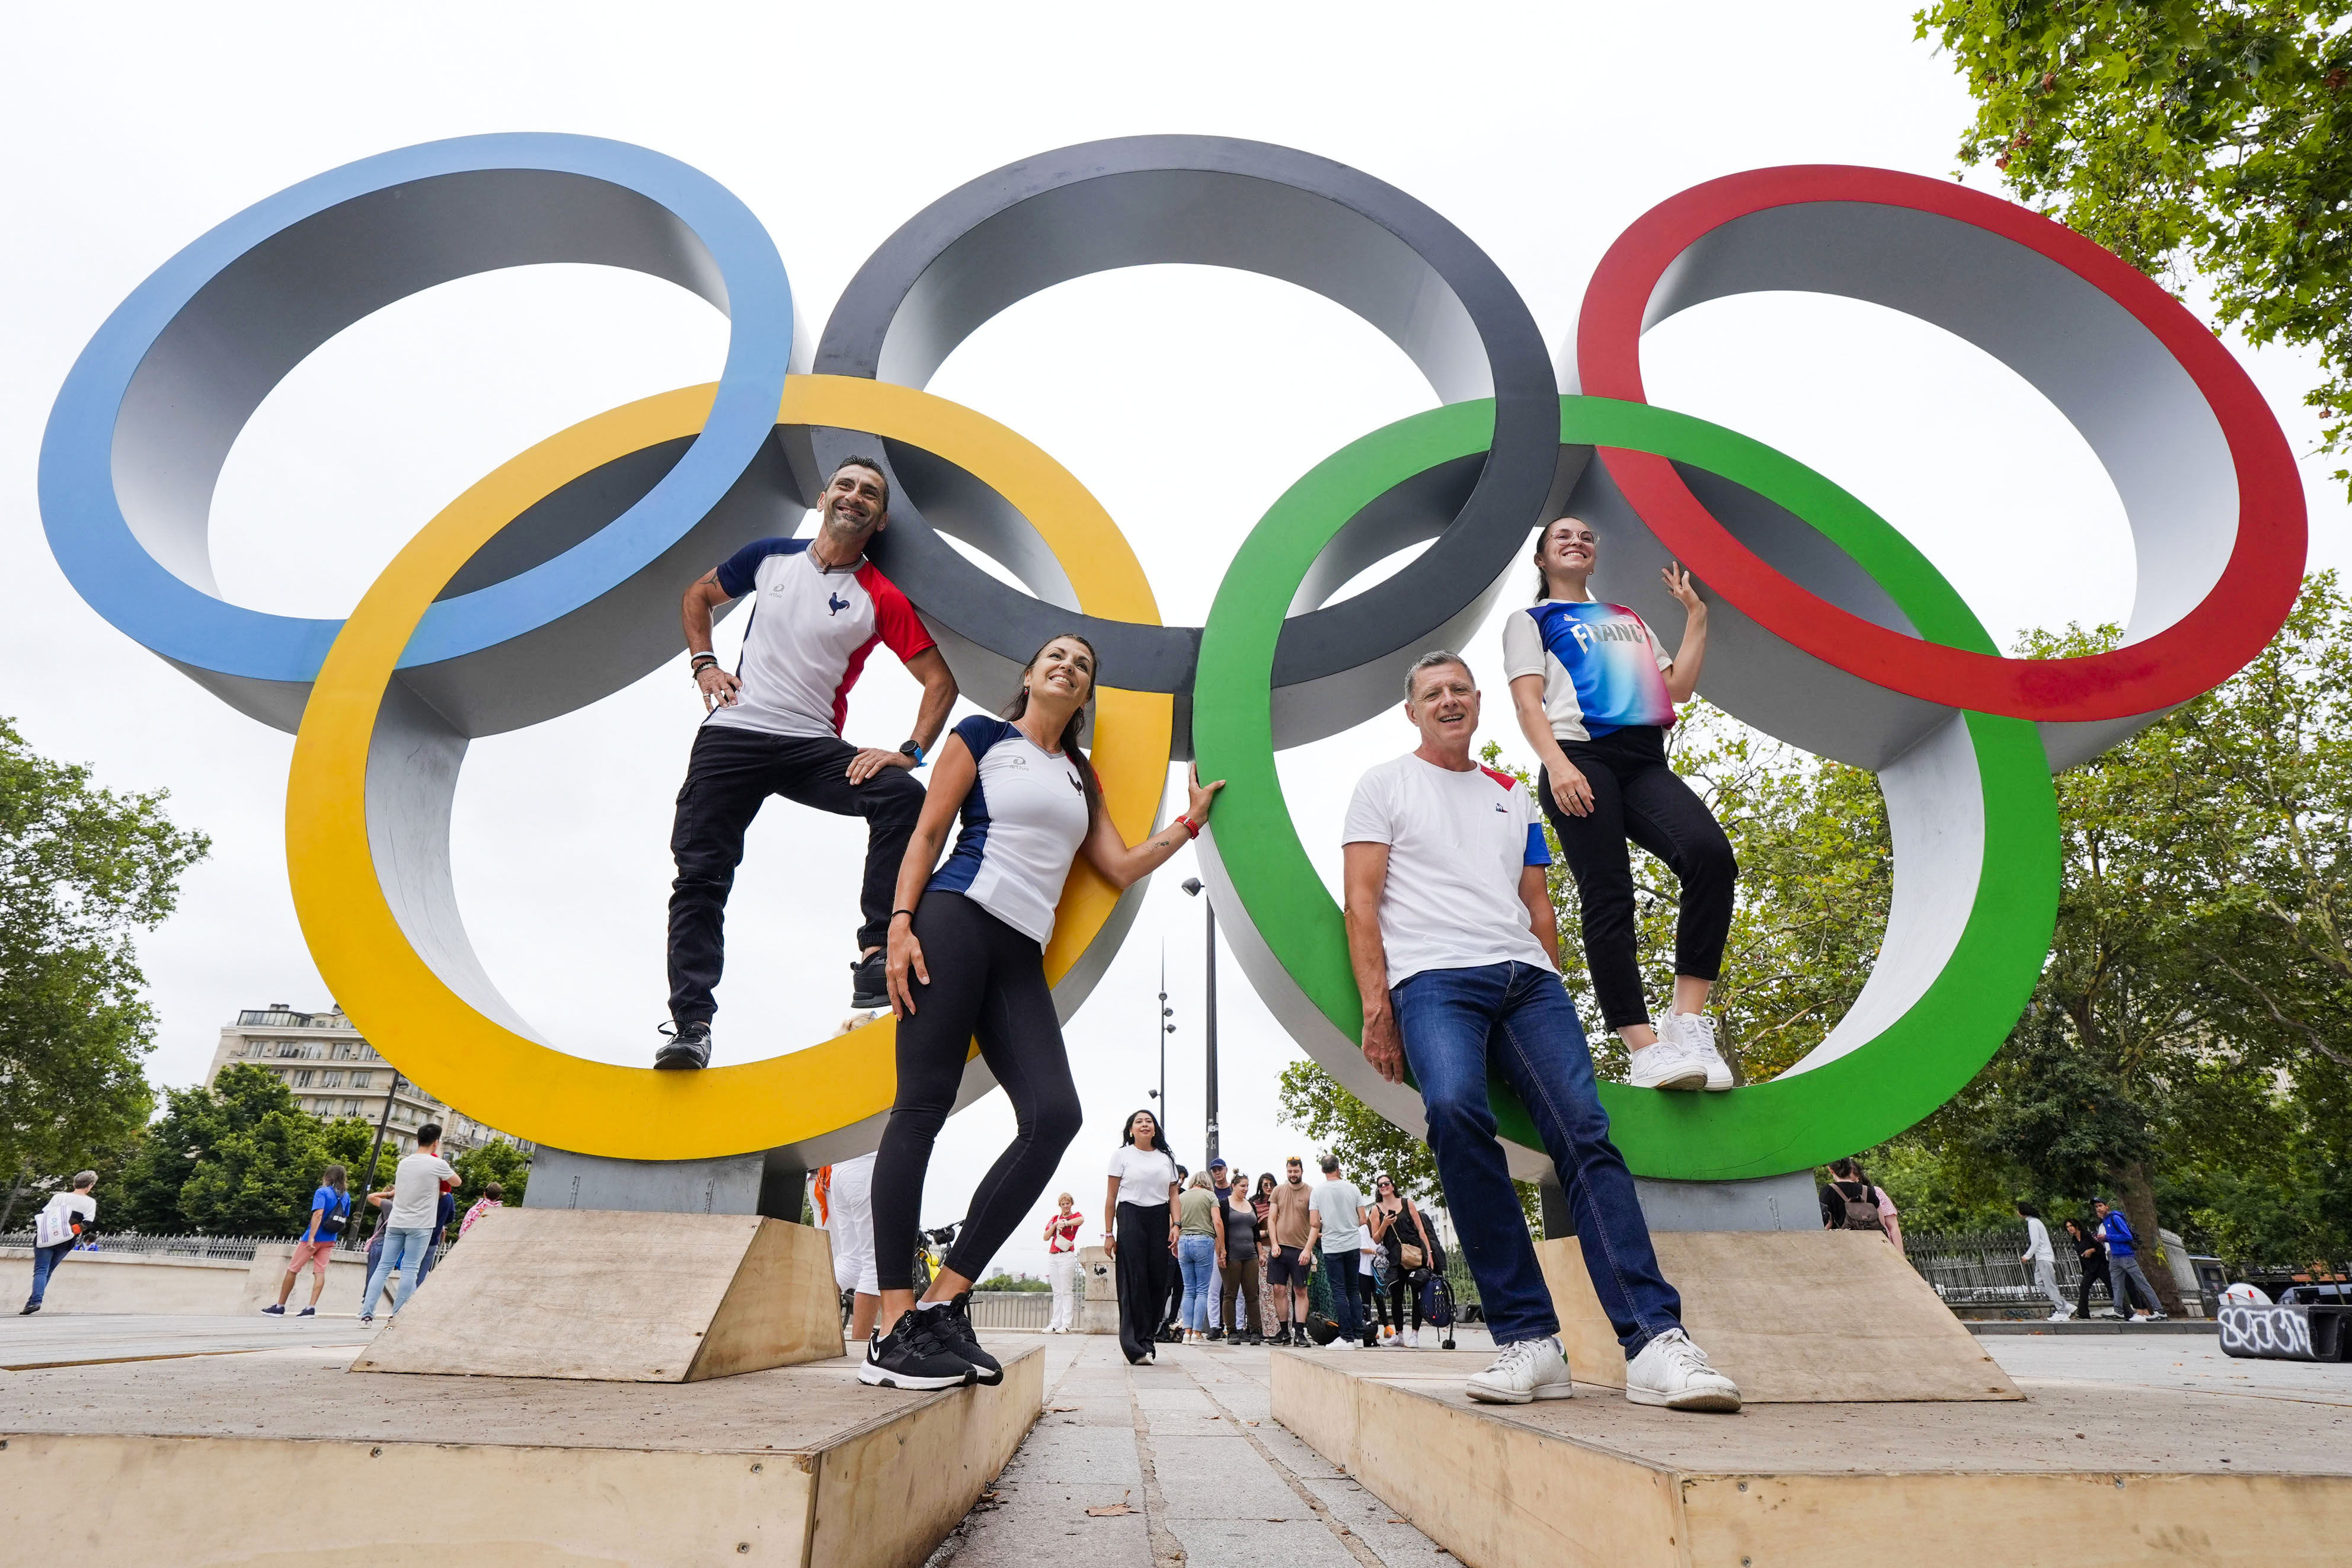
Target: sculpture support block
620,1297
768,1185
1794,1317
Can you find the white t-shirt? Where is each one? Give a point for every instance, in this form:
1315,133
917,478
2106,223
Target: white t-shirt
811,630
1457,843
416,1192
1144,1177
1338,1202
56,1216
1022,824
2037,1241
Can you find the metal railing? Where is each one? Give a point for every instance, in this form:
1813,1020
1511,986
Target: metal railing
1980,1268
213,1249
1011,1309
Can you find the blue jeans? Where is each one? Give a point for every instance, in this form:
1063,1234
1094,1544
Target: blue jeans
405,1251
45,1262
1197,1256
1516,1020
1347,1297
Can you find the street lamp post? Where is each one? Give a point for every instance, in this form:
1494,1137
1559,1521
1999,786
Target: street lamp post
1160,1095
1193,886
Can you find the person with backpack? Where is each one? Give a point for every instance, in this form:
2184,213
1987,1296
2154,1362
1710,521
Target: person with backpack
2123,1264
63,1221
2038,1252
2093,1254
1849,1202
331,1210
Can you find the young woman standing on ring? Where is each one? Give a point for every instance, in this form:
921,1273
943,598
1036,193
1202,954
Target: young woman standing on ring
1595,691
967,953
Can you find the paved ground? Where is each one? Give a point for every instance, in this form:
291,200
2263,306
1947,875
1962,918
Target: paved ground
73,1338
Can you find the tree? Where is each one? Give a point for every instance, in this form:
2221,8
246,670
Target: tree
1364,1141
2208,133
80,868
240,1158
492,1162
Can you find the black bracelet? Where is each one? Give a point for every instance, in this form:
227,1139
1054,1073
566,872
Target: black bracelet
908,912
698,658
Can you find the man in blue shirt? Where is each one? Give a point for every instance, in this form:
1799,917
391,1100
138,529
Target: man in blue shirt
2123,1263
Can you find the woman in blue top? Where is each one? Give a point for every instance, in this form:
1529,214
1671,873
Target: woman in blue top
967,959
1595,692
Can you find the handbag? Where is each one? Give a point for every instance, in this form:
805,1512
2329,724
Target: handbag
1410,1255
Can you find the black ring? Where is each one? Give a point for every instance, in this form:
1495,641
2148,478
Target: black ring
1214,200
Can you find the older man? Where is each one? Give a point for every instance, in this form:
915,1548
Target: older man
775,729
1451,932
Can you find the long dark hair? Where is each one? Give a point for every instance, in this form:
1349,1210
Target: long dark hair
333,1176
1068,744
1159,1132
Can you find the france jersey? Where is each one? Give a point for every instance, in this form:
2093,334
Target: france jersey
811,630
1603,668
1022,824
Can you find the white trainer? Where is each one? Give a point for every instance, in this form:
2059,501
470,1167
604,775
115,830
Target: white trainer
1673,1372
1664,1064
1694,1032
1529,1369
2062,1315
1410,1339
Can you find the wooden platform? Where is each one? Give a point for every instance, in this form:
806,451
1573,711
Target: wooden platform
1791,1316
2090,1475
279,1457
620,1297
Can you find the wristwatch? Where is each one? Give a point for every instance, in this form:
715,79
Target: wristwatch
908,749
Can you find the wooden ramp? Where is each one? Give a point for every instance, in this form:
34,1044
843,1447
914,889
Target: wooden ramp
2090,1475
619,1297
1791,1316
281,1460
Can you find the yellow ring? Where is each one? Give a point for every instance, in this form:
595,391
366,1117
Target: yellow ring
498,1076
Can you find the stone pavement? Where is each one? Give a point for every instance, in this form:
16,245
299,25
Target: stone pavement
1169,1463
76,1339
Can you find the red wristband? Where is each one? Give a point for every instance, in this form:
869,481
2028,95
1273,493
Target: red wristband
1191,827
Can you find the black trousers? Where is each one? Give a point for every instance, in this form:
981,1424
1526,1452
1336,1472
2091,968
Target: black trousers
1398,1300
1636,796
988,981
729,778
2095,1273
1145,1267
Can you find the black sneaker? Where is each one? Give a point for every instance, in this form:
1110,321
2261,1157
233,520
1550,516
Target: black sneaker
914,1355
955,1333
277,1310
1216,1337
869,987
308,1313
687,1047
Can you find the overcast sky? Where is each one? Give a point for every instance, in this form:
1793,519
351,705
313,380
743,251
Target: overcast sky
1187,399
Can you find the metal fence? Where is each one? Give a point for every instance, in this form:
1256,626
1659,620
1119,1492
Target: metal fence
1011,1309
1982,1267
217,1249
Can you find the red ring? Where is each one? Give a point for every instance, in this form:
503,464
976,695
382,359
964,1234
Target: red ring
2224,632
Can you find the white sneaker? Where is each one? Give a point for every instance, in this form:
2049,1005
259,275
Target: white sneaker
2061,1315
1409,1340
1343,1342
1530,1369
1673,1372
1664,1064
1694,1032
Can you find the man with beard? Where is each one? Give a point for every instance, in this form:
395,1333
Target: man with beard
773,727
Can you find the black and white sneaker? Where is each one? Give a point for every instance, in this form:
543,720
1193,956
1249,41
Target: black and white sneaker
869,988
686,1048
956,1333
915,1355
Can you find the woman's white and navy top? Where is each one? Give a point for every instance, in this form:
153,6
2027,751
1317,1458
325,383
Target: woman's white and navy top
811,630
1022,824
1603,668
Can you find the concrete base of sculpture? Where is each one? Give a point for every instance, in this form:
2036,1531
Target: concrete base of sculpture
619,1297
211,1461
1791,1316
2103,1475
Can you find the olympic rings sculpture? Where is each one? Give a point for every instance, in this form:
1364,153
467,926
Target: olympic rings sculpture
552,581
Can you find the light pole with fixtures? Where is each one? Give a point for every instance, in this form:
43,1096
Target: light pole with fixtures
1193,886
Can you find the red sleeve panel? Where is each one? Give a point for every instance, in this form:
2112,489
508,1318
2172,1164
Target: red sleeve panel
902,631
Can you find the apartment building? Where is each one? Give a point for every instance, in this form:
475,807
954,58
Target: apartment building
333,1073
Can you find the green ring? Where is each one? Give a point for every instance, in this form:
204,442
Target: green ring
1792,1122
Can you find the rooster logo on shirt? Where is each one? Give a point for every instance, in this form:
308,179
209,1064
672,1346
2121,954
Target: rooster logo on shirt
837,602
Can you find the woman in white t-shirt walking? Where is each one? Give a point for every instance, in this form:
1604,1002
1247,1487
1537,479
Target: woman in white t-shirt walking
1595,692
967,959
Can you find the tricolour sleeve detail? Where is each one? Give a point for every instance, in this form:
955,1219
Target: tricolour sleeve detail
1539,852
1523,802
903,631
979,732
1523,646
739,573
1370,821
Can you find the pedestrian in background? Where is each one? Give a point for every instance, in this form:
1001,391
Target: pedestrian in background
415,1196
1290,1269
331,1209
63,1220
2093,1254
2123,1264
1201,1236
1139,1232
1335,1238
2038,1252
1244,1250
1223,1185
1172,1326
493,1196
1273,1305
1062,1260
1404,1240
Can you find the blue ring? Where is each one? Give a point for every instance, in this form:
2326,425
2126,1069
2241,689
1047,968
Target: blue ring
684,225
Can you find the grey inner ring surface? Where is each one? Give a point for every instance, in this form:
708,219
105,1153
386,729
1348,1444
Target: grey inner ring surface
1271,210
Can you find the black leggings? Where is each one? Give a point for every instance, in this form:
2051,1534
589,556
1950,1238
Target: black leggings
1399,1298
1637,797
1145,1267
988,981
2095,1273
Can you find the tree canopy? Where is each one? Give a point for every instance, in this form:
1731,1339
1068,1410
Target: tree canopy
2204,136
